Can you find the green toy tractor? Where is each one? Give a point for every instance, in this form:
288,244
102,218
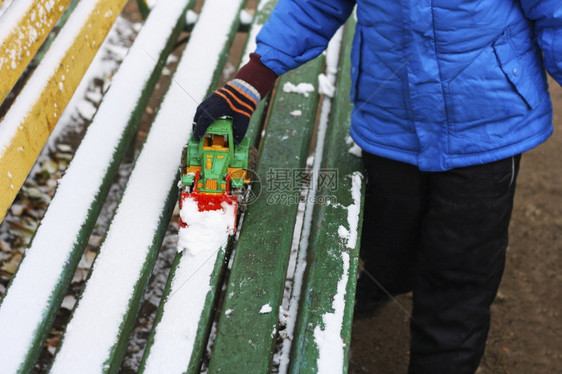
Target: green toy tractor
214,167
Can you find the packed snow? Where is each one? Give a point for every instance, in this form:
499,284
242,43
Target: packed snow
326,85
301,88
265,309
191,17
245,17
206,230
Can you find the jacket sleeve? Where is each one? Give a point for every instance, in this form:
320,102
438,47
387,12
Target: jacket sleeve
299,30
547,15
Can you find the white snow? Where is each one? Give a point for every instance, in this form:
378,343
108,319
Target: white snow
4,6
265,309
356,150
86,109
22,310
102,67
158,163
228,71
68,302
245,17
206,230
94,96
343,232
17,209
191,17
328,339
176,332
12,17
251,46
44,72
326,85
354,209
135,223
254,30
301,88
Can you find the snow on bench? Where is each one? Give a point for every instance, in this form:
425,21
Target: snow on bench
37,289
128,253
316,328
24,27
186,310
322,334
316,322
31,118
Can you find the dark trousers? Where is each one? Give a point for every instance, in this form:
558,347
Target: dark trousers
443,236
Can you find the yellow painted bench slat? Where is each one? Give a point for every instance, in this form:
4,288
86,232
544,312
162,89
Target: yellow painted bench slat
23,37
31,119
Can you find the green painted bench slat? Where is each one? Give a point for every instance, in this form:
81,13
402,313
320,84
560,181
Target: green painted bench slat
245,337
323,333
31,118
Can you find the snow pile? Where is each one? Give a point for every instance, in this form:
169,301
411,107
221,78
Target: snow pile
246,18
191,17
302,88
206,230
265,309
326,86
355,149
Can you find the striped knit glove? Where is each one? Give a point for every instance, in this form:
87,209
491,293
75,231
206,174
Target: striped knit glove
238,99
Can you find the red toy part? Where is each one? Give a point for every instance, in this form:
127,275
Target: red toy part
207,202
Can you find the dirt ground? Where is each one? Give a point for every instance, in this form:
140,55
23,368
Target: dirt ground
526,330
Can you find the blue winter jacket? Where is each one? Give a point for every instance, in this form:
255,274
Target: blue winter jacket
438,84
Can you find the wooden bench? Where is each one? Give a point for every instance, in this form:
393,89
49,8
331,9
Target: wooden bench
317,330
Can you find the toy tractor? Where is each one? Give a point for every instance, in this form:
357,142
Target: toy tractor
215,168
